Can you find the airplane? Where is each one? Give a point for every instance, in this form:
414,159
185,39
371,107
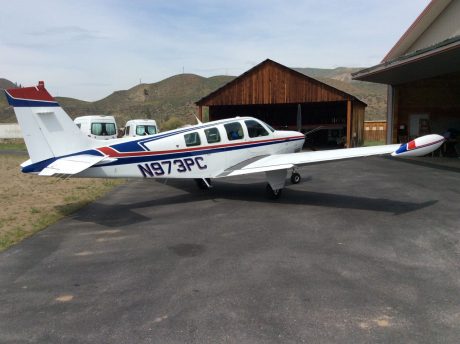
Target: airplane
206,151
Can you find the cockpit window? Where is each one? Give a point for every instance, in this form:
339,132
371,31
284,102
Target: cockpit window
255,129
269,127
192,139
212,135
234,131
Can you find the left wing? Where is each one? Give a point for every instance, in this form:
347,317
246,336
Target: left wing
417,147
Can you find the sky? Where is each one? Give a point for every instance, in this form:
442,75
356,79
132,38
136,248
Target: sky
87,49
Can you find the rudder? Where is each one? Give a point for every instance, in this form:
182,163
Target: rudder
48,130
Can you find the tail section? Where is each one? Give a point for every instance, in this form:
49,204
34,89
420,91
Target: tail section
48,131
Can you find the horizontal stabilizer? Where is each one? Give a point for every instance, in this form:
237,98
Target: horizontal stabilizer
71,165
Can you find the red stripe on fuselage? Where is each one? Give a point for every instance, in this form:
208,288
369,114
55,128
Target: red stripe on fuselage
109,151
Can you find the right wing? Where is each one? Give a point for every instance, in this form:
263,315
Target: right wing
417,147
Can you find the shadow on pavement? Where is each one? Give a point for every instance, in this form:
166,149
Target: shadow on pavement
116,215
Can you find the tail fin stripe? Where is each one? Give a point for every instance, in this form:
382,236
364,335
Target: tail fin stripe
23,102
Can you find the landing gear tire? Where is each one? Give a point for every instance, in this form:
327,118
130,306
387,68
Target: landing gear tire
202,185
273,194
295,178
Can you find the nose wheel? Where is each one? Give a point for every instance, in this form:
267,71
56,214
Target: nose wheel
295,178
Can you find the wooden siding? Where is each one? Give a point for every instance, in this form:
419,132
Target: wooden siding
375,131
272,83
357,126
436,97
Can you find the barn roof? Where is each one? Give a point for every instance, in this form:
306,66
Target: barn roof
272,83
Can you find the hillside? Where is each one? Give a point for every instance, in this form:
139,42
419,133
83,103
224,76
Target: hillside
174,97
6,114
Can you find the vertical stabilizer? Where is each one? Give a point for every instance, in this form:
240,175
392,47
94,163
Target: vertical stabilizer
48,130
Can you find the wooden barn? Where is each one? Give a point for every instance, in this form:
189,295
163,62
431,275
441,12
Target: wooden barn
287,99
422,72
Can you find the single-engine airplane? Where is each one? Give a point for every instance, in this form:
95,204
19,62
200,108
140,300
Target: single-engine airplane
217,149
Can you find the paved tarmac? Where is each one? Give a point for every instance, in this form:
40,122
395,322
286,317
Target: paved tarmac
362,251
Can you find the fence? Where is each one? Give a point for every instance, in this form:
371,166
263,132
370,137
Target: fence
375,131
10,131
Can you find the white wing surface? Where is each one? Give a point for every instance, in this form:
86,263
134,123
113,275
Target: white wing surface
71,165
286,161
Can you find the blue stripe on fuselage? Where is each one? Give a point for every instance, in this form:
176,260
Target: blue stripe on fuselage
209,150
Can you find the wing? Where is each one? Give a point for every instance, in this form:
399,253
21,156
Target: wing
71,165
286,161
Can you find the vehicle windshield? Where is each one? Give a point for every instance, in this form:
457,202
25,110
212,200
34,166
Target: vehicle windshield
146,130
103,129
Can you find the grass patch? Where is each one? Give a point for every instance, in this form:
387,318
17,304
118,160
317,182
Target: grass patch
12,144
373,143
31,203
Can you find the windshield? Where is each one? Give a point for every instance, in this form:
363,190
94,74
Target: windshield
142,130
103,129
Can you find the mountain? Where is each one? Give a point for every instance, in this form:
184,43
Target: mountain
6,113
173,99
5,84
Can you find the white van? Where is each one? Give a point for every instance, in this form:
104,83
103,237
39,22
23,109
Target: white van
98,127
140,127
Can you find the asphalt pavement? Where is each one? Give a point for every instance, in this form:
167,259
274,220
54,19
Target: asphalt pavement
361,251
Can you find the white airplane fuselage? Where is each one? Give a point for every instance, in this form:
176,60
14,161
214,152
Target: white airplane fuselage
167,155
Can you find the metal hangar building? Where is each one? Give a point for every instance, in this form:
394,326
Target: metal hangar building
287,99
422,72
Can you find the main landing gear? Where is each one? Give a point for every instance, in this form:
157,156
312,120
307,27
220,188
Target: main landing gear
295,177
273,193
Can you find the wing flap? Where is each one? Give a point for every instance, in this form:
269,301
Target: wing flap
71,165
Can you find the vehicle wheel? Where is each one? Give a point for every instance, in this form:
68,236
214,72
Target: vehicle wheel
273,194
202,185
295,178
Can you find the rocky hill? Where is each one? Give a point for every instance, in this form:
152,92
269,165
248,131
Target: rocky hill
173,99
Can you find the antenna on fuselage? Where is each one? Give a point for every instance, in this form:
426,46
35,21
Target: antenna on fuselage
198,121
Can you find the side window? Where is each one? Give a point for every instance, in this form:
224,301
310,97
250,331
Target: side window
255,129
79,125
234,131
212,135
127,131
192,139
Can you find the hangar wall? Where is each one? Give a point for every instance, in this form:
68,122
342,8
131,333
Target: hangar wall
435,99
